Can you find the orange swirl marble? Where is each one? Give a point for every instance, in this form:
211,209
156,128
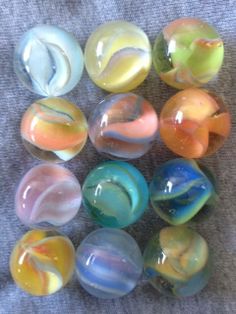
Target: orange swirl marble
54,129
42,262
194,123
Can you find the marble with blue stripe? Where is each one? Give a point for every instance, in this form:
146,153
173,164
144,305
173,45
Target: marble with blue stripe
180,188
115,194
48,60
177,262
108,263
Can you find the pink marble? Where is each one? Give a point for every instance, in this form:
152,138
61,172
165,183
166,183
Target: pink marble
48,195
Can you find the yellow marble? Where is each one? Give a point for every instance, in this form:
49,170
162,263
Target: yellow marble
42,262
118,56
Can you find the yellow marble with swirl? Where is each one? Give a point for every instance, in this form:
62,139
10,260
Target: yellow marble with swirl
42,262
118,56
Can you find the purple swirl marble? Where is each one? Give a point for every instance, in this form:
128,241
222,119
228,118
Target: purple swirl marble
48,196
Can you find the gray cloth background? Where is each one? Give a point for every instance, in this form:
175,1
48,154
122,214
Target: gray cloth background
81,18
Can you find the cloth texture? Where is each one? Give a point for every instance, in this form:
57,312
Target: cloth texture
81,17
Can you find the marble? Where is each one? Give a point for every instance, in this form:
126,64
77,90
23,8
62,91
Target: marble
194,123
115,194
48,60
118,56
54,129
42,262
188,52
177,262
180,188
123,126
108,263
48,196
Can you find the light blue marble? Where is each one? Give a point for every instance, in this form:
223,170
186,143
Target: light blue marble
115,194
48,60
108,263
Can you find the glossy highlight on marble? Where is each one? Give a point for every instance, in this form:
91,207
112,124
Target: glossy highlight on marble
118,56
177,262
123,126
115,194
54,129
48,60
108,263
188,52
180,188
194,123
42,262
48,196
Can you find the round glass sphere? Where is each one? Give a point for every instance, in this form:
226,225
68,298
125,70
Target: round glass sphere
47,196
118,56
177,262
194,123
108,263
115,194
54,129
48,60
42,262
180,188
123,126
188,52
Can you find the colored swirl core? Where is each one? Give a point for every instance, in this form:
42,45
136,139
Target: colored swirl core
179,190
123,126
108,263
42,262
115,194
188,53
118,56
48,195
53,129
177,262
48,60
194,123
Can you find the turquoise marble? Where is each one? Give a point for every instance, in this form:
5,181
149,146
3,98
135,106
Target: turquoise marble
108,263
177,262
115,194
48,60
180,188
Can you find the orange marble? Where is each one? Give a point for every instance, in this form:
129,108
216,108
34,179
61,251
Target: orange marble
194,123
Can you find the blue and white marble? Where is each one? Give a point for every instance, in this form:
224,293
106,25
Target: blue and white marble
48,60
108,263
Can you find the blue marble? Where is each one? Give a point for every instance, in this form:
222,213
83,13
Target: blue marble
48,60
115,194
180,188
108,263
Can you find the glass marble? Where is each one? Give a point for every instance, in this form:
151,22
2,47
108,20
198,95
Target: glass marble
118,56
54,129
115,194
177,262
42,262
194,123
108,263
48,60
179,190
47,196
123,126
188,52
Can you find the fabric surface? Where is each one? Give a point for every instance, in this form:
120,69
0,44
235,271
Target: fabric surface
81,17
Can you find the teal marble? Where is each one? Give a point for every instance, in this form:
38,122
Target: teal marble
180,188
115,194
177,262
108,263
48,60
